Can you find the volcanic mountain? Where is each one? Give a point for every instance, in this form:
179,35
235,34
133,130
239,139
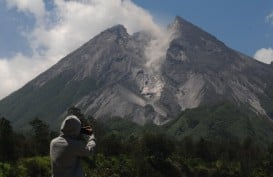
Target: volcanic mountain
142,78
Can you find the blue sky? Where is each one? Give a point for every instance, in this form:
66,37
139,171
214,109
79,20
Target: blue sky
36,34
239,24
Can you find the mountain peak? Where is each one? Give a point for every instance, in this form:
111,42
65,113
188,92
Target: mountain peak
118,30
193,34
179,23
108,76
180,20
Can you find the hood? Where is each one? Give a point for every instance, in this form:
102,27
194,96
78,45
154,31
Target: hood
71,126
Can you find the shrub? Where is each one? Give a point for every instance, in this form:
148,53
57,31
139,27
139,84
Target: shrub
34,167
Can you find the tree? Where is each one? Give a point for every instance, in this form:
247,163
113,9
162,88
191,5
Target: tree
41,136
7,144
158,146
111,145
77,112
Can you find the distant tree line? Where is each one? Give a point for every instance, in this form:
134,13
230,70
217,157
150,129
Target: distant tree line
146,152
15,145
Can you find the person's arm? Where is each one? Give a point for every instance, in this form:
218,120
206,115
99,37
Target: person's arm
91,142
82,149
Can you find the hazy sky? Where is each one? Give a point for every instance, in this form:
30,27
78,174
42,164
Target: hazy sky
35,34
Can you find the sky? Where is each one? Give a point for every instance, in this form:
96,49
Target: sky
35,34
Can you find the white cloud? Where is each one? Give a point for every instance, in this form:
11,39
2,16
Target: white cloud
63,29
17,71
264,55
36,7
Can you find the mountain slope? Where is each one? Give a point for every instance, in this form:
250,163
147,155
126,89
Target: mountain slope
221,121
115,74
97,66
209,71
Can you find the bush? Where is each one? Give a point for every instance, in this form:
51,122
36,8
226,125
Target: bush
105,166
5,170
34,167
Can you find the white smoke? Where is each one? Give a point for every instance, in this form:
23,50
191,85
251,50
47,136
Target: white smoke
156,50
156,54
66,26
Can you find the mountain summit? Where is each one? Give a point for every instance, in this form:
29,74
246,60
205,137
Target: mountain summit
211,72
118,74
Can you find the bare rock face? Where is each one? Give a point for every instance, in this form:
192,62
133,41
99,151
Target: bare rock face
142,79
205,71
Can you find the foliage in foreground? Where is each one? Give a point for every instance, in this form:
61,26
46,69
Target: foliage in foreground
157,155
125,149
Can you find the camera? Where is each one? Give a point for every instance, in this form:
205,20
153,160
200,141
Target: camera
87,130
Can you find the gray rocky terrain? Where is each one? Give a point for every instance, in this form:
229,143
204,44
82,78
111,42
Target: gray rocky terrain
143,78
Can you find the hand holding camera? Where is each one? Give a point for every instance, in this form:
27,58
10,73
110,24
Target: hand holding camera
87,130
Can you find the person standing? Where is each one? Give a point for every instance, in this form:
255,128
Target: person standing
67,149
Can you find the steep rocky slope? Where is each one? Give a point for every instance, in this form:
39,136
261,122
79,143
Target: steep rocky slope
144,78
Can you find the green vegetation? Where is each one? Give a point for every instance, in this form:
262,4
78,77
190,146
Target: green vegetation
223,121
158,155
201,142
27,167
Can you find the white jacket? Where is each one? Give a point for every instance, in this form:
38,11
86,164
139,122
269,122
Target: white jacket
66,150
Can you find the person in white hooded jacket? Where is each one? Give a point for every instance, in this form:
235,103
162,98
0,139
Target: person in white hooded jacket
66,149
